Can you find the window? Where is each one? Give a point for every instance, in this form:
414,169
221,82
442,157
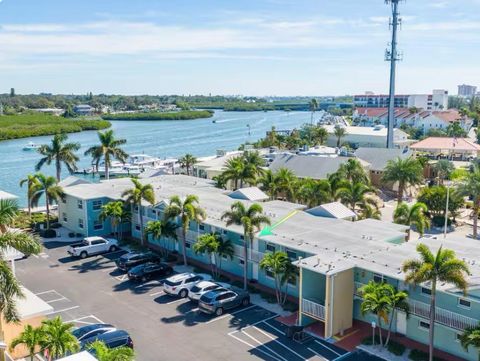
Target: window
80,204
97,225
97,242
64,216
424,325
137,226
464,303
426,291
378,278
241,261
201,227
188,245
269,273
291,254
97,205
80,223
270,247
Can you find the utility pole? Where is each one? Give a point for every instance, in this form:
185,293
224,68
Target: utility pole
392,55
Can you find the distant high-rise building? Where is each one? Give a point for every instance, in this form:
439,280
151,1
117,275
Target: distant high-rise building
438,100
467,91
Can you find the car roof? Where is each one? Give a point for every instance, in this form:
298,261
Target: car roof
95,326
94,238
108,336
181,277
202,284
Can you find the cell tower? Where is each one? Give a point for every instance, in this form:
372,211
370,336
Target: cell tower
392,55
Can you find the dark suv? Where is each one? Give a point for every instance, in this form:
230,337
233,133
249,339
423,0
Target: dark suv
132,259
148,271
112,339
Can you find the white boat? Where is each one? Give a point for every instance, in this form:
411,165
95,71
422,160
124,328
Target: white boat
31,146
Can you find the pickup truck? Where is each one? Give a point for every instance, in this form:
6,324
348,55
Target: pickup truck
92,245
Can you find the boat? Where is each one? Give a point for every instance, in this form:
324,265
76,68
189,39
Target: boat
31,146
214,121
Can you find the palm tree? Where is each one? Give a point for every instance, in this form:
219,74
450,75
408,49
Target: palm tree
113,211
234,170
104,353
412,216
108,148
313,106
284,183
471,187
32,188
59,152
377,301
162,229
398,301
49,188
29,338
253,168
188,211
355,194
320,135
135,196
314,192
442,267
444,169
251,220
187,161
276,263
267,183
225,249
57,339
353,170
10,290
370,211
339,132
407,172
208,244
471,337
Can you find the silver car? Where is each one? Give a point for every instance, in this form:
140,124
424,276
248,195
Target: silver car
217,301
203,287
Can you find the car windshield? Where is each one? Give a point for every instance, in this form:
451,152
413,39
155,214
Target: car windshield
208,297
171,283
196,289
79,332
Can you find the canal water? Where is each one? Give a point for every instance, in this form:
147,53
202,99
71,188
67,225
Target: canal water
200,137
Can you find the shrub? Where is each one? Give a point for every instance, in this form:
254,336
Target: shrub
417,355
290,306
367,341
396,348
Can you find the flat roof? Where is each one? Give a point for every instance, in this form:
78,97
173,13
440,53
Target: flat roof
81,356
32,306
444,143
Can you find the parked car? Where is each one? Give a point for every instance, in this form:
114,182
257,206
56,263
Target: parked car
88,331
181,284
132,259
92,245
147,271
111,339
203,287
219,300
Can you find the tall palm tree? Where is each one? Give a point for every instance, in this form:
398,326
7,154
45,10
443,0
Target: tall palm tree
407,172
208,244
24,242
162,229
188,211
267,183
49,188
284,183
254,164
313,106
355,195
370,211
29,338
225,249
135,196
398,301
470,187
32,187
471,337
353,170
59,152
339,132
443,267
57,338
109,148
320,135
105,353
251,220
187,161
414,215
314,192
113,211
234,171
276,263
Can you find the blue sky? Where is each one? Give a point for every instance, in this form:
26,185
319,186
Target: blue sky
260,47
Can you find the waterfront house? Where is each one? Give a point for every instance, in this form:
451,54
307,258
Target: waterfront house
83,109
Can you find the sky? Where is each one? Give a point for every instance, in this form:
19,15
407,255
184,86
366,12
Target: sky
248,47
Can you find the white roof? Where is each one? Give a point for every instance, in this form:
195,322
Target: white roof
6,195
334,210
369,131
32,306
71,181
81,356
249,194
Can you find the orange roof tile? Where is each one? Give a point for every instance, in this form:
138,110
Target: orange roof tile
445,143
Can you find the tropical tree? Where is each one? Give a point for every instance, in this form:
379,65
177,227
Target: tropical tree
208,244
285,183
353,170
234,171
29,338
162,229
251,219
225,249
220,181
188,211
32,187
320,135
57,338
407,172
415,215
355,195
471,187
109,148
471,337
187,161
135,196
105,353
444,169
313,106
398,301
376,300
435,198
253,166
277,263
113,211
10,290
59,152
339,132
312,192
49,188
370,211
268,183
431,268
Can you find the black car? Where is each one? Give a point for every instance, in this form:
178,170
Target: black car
148,271
92,330
112,339
132,259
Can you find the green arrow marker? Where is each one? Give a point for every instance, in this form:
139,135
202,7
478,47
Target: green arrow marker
267,230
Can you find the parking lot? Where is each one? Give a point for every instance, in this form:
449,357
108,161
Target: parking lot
162,327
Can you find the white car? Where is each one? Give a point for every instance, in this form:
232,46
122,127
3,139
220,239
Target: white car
181,284
93,245
203,287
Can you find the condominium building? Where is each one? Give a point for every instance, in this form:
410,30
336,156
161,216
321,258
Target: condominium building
467,91
335,256
436,101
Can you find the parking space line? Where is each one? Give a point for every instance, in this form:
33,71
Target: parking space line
45,292
156,293
258,322
62,310
263,345
328,348
254,347
58,299
276,329
317,354
274,339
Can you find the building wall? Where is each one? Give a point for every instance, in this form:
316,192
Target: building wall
339,289
69,208
12,330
